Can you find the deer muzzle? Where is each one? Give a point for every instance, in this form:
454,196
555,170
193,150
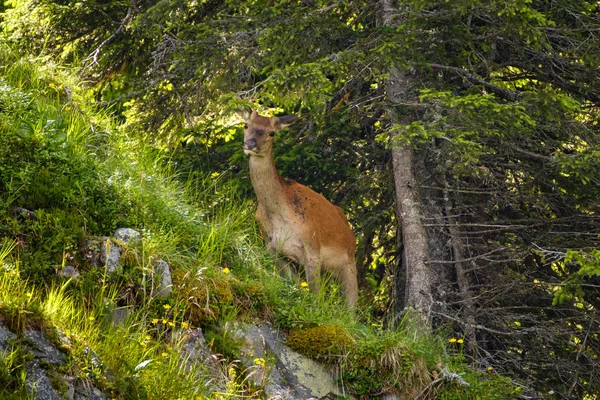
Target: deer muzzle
251,147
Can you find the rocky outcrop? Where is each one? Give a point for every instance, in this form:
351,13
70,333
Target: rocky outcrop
282,373
43,369
291,375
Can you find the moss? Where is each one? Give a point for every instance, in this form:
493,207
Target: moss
321,342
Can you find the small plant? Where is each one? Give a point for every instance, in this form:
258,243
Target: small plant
19,305
13,374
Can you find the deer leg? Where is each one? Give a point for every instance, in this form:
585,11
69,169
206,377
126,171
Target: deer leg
284,267
349,285
312,268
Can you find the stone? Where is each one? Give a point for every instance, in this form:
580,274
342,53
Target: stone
69,273
103,252
293,376
128,235
25,213
46,357
195,350
112,253
44,349
86,392
38,383
5,337
165,283
120,315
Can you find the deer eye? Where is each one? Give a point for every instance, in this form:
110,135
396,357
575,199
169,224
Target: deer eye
245,126
271,134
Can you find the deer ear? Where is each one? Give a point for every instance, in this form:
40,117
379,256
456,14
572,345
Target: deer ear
286,120
245,114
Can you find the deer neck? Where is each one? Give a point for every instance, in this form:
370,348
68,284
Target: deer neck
268,184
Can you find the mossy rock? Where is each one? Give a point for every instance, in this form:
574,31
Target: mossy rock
320,342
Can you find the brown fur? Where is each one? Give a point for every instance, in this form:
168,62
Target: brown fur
295,221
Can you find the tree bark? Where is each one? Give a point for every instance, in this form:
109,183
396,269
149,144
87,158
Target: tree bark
399,88
414,237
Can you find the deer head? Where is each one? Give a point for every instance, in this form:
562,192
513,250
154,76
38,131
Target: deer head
259,132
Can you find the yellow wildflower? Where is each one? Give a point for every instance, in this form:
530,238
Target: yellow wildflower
155,321
167,306
185,325
453,340
171,323
461,341
147,337
304,284
226,270
91,318
164,354
260,361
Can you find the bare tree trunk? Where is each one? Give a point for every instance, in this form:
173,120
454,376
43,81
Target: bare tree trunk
408,203
414,237
443,276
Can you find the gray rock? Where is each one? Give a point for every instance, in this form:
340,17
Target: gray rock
195,350
112,253
69,272
38,383
128,235
63,339
119,315
103,252
87,392
25,213
165,283
293,375
45,357
44,349
5,337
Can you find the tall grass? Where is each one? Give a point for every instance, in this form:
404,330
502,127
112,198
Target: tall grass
124,360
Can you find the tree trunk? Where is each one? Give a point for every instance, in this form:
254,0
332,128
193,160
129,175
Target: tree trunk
408,203
428,170
414,237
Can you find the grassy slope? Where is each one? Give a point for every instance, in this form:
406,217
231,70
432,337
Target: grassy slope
83,175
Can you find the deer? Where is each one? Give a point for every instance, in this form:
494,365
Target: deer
297,223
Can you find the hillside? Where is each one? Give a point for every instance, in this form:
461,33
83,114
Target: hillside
70,175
